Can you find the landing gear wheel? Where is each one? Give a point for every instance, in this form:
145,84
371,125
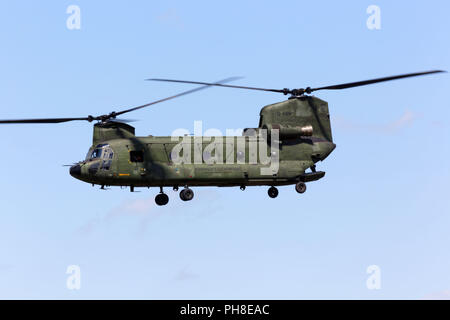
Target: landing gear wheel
272,192
300,187
186,194
161,199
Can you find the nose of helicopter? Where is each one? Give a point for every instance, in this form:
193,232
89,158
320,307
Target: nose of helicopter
75,171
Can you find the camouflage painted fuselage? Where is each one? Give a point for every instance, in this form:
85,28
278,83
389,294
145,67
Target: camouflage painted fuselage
119,158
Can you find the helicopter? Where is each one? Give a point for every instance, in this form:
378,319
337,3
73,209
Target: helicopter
291,137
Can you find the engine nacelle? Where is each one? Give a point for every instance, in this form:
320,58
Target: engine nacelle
287,131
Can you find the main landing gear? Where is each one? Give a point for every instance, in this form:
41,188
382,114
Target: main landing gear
272,192
300,187
186,194
161,199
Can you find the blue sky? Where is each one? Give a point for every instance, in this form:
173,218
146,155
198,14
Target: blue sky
384,200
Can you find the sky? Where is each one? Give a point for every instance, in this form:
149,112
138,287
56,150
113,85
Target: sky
384,201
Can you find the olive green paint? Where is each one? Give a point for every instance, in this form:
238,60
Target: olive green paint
296,153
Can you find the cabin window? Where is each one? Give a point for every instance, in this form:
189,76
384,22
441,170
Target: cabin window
137,156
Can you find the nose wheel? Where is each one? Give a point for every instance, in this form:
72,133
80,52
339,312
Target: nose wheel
162,199
272,192
186,194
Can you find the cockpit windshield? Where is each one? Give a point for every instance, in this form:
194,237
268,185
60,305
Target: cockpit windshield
100,151
96,153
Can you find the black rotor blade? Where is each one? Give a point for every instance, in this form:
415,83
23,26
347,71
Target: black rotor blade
125,120
112,115
297,92
205,85
367,82
217,84
47,120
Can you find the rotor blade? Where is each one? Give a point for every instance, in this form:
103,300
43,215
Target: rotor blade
112,115
217,84
206,85
47,120
125,120
297,92
366,82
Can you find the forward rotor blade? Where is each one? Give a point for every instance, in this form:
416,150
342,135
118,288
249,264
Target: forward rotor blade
217,84
111,115
205,85
125,120
47,120
367,82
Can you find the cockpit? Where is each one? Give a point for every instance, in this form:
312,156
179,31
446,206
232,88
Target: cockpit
98,160
103,152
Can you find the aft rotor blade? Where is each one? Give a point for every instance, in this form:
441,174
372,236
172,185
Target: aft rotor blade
45,120
367,82
216,84
301,91
205,85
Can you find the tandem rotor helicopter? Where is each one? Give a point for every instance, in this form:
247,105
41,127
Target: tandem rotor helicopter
119,158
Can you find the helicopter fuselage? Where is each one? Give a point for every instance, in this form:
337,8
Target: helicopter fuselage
149,162
291,137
